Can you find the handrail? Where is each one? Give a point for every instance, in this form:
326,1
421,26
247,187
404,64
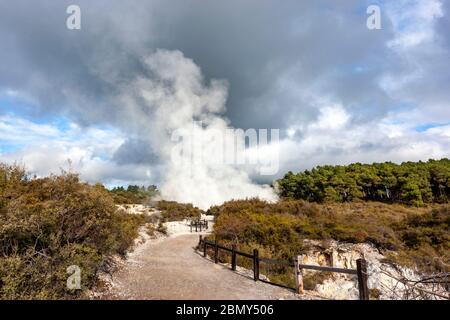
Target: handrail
327,269
212,244
198,223
360,271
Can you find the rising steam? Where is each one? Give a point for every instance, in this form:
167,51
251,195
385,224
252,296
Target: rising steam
175,98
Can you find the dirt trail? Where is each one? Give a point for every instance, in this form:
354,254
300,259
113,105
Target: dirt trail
171,269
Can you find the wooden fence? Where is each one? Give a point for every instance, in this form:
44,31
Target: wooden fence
198,225
234,253
360,271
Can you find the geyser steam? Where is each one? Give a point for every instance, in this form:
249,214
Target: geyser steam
175,98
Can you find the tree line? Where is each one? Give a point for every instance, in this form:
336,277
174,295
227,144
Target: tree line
412,183
133,194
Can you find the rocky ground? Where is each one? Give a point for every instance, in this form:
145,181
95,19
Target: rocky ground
386,281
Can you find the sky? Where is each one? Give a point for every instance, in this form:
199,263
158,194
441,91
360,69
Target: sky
103,100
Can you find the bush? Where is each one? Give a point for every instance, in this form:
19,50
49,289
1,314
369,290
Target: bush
418,235
49,224
133,194
174,211
162,228
426,239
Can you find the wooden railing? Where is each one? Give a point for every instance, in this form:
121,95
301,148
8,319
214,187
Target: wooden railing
234,253
360,271
199,225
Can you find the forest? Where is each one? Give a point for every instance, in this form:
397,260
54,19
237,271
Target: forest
411,183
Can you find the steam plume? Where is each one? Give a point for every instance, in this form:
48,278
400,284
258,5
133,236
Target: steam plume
174,98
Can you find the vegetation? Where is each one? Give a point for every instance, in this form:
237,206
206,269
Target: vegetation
155,226
412,183
49,224
133,194
426,240
419,236
174,211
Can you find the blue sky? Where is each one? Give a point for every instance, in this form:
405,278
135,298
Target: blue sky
426,126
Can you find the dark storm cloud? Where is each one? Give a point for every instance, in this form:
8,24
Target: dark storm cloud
258,44
252,44
131,152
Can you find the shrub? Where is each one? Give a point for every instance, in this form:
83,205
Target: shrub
133,194
174,211
49,224
426,239
162,228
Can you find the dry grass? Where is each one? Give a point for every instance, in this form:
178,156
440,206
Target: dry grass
420,236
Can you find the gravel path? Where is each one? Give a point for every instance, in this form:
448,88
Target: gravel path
171,269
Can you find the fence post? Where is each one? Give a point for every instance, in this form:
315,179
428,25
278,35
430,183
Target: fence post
204,248
361,268
255,264
216,252
200,227
195,227
200,240
298,275
233,257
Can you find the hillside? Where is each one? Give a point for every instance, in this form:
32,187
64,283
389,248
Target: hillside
414,237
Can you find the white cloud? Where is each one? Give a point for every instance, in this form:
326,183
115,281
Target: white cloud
388,139
331,118
17,130
413,22
418,74
45,149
